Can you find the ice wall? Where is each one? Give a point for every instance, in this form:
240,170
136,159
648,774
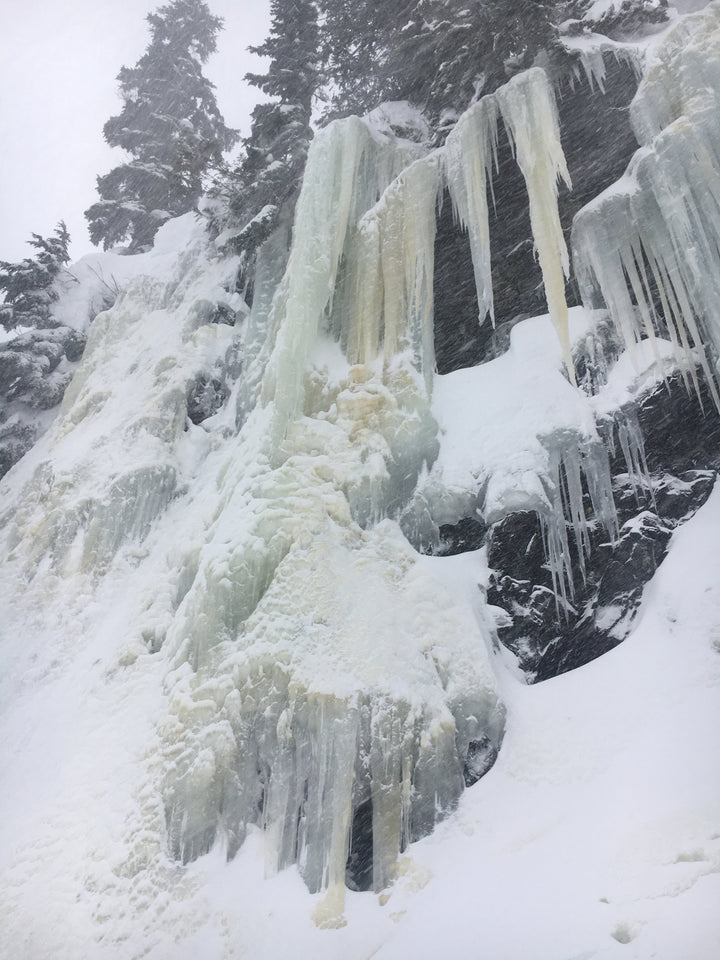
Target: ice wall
114,457
649,246
317,665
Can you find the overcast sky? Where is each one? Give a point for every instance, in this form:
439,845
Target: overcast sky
58,65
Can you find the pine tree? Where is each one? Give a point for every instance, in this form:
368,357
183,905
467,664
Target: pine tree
359,40
169,124
35,362
28,285
267,181
629,17
440,54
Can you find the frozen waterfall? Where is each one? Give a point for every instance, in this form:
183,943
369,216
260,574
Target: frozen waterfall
321,673
649,247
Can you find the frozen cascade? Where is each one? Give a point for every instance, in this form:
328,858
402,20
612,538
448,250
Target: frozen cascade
649,246
530,115
528,110
347,170
114,466
527,106
394,272
592,50
570,463
294,699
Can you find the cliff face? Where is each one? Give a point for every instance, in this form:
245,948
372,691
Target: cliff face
312,576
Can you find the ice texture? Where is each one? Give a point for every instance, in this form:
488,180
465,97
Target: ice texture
114,461
470,153
294,701
528,109
648,246
316,664
592,49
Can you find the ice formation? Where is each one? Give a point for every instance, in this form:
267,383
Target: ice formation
592,50
527,440
649,246
527,106
296,700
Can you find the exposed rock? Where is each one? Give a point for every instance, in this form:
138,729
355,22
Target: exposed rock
548,638
468,534
481,756
598,143
205,397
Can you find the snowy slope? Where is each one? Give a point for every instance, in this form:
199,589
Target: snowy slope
596,834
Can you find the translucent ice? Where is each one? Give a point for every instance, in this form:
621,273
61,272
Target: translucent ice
649,246
528,109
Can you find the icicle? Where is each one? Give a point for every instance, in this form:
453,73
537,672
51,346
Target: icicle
569,462
470,153
591,51
593,64
656,233
530,115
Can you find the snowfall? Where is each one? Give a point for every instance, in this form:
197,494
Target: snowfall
201,620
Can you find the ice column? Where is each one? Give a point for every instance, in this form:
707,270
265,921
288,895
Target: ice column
470,152
321,224
394,262
571,460
528,109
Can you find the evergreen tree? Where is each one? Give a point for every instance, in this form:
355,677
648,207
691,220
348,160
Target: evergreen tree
28,285
440,54
630,17
267,180
169,123
359,41
35,362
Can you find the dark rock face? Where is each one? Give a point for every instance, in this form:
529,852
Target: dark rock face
468,534
222,313
482,754
205,397
682,451
682,435
598,143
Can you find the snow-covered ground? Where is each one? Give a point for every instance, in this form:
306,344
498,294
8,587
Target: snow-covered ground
596,834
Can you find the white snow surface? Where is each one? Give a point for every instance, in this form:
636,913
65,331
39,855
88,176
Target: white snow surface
511,408
595,835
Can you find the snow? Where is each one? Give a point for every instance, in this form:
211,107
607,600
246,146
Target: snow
219,640
594,835
521,422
